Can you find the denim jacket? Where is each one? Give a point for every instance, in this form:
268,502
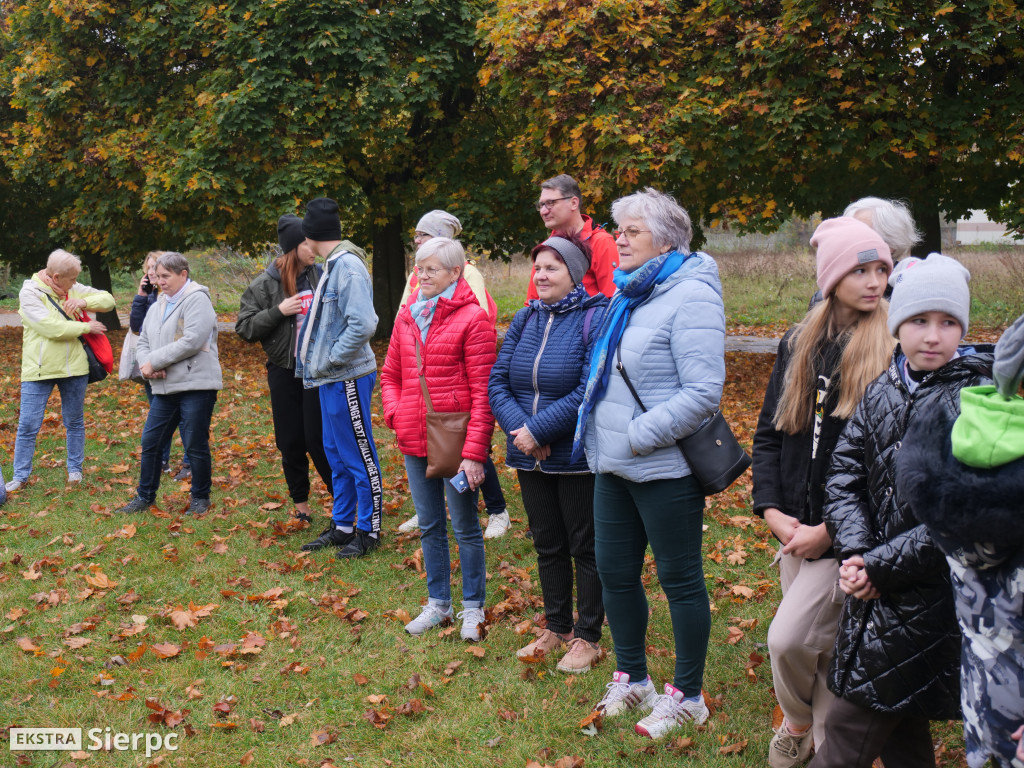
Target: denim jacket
341,323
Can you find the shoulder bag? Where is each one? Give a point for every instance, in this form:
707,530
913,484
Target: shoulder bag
98,352
712,451
446,432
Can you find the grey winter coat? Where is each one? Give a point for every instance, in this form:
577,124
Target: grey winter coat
674,353
184,344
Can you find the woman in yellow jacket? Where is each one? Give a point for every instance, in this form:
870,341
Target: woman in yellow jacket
52,354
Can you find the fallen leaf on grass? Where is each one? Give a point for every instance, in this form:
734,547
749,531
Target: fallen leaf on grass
592,723
360,679
733,749
162,715
77,642
569,761
452,668
735,635
399,614
322,737
680,744
183,618
741,591
411,707
165,650
26,645
248,757
753,662
477,651
99,579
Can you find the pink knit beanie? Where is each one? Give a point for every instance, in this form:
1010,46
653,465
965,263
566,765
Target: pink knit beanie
843,244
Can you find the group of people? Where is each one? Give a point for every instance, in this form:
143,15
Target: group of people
618,354
865,648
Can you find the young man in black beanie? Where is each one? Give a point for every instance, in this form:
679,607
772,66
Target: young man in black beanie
335,356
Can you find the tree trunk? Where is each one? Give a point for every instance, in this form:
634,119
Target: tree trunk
99,273
929,220
388,273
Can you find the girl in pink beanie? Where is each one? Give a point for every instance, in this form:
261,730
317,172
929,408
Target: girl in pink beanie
823,366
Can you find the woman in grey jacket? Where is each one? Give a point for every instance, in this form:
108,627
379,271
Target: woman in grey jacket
177,353
665,330
271,312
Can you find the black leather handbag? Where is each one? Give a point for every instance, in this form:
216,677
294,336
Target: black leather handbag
715,456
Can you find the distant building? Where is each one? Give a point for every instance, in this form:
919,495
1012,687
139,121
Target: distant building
978,229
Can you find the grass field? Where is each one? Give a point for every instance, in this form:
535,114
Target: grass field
219,630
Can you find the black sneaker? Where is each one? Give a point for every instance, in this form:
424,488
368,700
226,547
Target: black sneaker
165,468
137,504
198,507
332,537
185,473
362,543
302,516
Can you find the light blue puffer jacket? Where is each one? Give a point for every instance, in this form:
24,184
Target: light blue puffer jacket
674,353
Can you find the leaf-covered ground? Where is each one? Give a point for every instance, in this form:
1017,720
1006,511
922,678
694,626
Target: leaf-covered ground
221,631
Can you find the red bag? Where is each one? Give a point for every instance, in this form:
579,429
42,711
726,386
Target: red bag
100,346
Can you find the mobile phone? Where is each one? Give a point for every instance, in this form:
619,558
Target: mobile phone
460,483
147,287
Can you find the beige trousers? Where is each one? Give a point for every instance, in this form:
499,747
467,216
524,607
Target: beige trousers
802,637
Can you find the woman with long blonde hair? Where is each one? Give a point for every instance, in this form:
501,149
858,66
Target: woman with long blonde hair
823,366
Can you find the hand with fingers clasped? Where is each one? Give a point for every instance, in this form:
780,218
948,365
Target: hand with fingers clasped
854,581
149,373
523,440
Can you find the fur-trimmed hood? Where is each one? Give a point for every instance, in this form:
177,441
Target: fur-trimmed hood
960,502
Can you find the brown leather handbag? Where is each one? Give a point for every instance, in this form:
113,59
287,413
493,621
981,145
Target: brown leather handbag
446,432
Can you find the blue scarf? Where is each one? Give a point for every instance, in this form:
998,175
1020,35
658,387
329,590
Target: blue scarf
634,289
570,301
422,310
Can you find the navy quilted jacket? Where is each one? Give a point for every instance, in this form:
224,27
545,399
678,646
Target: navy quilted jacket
539,378
901,652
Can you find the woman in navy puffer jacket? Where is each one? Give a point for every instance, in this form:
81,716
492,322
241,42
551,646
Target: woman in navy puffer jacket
535,391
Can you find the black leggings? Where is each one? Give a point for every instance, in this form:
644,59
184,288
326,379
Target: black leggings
298,430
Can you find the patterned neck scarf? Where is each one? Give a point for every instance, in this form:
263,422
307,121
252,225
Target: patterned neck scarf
422,310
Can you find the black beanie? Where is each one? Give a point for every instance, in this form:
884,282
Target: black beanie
289,232
322,222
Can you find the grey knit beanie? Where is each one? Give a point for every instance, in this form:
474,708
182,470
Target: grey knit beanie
439,224
576,261
1008,369
935,284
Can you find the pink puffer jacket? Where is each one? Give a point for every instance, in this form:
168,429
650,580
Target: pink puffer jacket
457,359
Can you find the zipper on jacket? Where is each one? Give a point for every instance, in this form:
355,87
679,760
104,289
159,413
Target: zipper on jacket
536,362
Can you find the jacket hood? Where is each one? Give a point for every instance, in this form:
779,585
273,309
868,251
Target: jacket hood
975,359
699,266
273,271
37,285
966,503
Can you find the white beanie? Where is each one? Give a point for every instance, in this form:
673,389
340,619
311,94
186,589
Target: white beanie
439,224
935,284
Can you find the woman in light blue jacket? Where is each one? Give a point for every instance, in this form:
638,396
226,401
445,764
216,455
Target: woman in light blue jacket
665,330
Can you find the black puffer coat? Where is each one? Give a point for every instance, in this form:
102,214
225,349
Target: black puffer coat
901,652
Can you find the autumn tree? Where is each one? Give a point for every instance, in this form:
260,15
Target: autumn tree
183,124
751,112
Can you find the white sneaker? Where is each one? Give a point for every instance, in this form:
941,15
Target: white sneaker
789,749
497,525
412,524
624,696
14,485
74,477
472,618
431,616
672,711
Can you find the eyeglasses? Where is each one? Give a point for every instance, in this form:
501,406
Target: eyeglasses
430,272
541,205
422,236
630,233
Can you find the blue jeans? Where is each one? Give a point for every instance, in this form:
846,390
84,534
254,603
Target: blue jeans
165,453
669,515
428,496
189,413
34,395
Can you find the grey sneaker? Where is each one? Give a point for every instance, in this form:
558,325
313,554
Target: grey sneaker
74,477
410,525
624,696
472,620
137,504
14,485
788,749
185,473
430,616
198,507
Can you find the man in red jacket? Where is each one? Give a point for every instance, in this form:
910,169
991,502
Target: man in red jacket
560,206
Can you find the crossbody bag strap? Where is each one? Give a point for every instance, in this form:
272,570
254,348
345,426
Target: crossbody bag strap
625,376
423,379
61,309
